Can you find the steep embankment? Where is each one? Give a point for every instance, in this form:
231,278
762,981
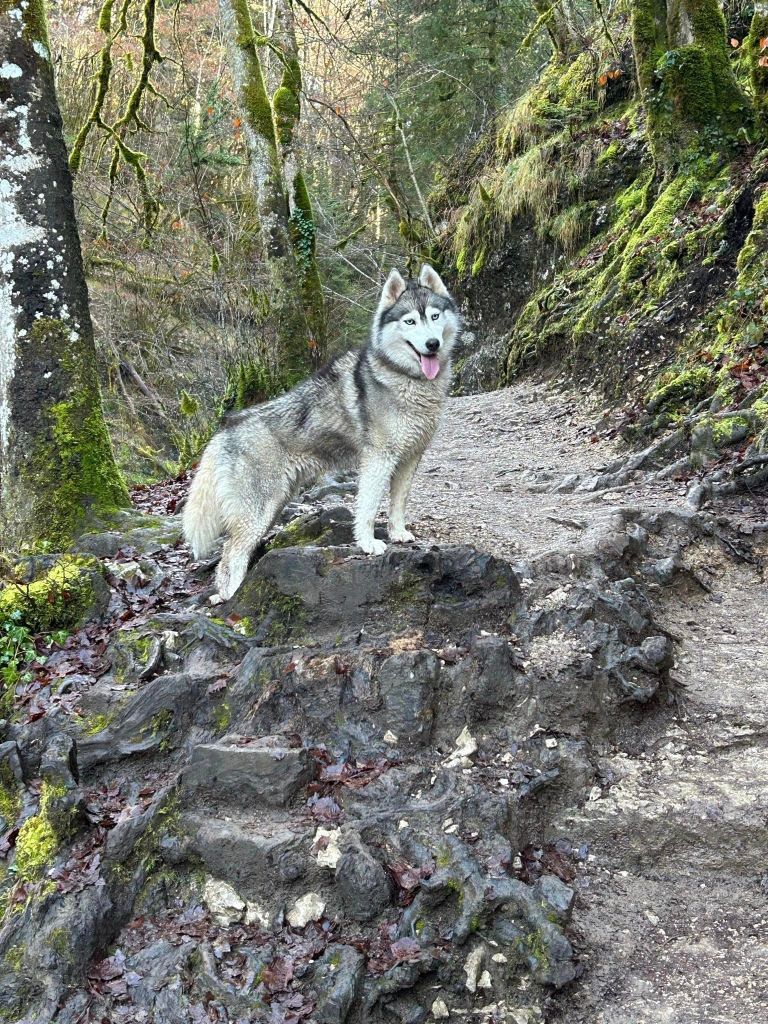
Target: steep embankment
575,249
515,786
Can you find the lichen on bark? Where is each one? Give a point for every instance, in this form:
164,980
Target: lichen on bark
56,462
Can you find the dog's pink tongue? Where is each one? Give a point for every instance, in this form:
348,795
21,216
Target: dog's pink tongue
430,366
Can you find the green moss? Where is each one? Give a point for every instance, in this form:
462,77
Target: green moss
729,429
641,248
758,73
15,957
675,389
222,716
254,96
40,836
34,21
72,473
61,598
478,263
161,722
611,152
188,406
95,724
137,642
10,795
285,613
59,942
300,532
534,948
443,857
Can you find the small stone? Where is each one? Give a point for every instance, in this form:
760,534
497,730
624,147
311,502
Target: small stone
389,737
499,958
550,743
466,745
328,853
254,914
439,1010
652,918
307,908
225,905
484,981
472,968
402,824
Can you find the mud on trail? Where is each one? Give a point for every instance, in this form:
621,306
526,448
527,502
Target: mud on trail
515,772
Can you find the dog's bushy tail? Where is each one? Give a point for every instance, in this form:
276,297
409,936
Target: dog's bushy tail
202,519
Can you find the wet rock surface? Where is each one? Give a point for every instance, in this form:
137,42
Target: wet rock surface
443,783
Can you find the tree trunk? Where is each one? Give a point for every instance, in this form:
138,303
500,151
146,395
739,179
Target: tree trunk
554,15
689,91
287,107
57,469
757,49
263,128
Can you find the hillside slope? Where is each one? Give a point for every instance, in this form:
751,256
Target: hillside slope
579,247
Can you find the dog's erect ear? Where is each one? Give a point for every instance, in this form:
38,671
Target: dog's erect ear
430,278
394,287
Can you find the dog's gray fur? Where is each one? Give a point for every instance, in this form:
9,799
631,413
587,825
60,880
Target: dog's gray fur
374,409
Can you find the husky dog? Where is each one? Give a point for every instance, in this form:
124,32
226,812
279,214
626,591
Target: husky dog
374,409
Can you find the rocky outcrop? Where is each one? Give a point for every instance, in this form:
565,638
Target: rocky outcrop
311,803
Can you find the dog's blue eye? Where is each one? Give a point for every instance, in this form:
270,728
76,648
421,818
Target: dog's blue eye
435,316
410,322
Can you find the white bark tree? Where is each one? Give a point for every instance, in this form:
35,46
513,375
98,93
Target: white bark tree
57,468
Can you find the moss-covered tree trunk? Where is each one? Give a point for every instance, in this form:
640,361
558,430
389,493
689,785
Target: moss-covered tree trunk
263,128
287,107
553,14
757,49
56,463
688,88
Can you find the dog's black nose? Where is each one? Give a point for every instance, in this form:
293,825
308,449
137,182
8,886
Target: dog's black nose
433,345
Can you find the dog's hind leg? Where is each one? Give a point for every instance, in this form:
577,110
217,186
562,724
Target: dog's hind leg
243,539
235,555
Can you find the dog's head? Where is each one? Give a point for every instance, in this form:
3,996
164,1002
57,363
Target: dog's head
416,324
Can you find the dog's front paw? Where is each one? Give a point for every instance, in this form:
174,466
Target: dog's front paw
372,546
402,536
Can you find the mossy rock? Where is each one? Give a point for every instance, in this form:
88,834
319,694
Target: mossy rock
145,533
10,792
715,433
280,617
59,592
680,389
133,653
41,836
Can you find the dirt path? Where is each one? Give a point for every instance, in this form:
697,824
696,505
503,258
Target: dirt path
672,915
502,470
